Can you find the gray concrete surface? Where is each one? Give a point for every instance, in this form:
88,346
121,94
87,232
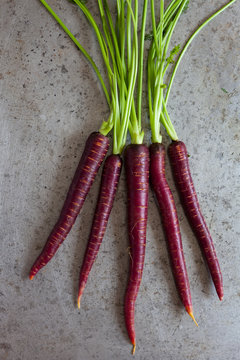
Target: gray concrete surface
50,101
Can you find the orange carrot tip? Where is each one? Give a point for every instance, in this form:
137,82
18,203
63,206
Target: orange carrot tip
80,292
78,301
192,316
133,349
190,313
31,277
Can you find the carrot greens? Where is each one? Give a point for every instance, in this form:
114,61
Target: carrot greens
121,88
158,62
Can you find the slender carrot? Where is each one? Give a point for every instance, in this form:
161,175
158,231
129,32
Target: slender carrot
95,150
157,65
136,155
181,172
122,98
137,177
109,182
92,157
170,224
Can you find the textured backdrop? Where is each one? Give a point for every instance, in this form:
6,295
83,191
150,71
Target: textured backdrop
50,100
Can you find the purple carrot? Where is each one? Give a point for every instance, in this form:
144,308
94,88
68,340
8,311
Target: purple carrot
170,224
137,176
181,172
95,150
110,178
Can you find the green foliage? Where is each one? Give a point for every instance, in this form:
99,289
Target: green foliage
83,2
173,53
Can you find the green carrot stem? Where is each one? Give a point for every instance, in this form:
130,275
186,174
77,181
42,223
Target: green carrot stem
154,28
165,119
119,60
189,42
135,129
101,41
140,66
80,47
132,75
170,12
159,69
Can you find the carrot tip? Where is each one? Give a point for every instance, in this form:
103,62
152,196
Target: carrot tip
192,316
78,301
133,349
31,277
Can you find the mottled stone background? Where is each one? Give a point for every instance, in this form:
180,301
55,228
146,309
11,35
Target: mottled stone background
50,100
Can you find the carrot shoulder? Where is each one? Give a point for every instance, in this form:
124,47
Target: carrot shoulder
137,177
109,182
92,157
170,224
181,172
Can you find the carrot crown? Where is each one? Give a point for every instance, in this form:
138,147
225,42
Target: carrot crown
121,68
128,57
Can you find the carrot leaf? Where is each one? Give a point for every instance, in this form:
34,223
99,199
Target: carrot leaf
173,53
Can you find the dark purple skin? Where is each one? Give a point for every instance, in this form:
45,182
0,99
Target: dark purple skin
181,172
95,150
137,177
170,223
109,183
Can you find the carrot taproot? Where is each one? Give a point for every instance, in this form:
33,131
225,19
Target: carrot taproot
137,177
170,224
158,62
181,172
109,182
92,157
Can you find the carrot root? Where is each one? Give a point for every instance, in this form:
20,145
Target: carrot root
95,150
190,313
137,176
181,172
170,222
80,292
134,349
109,183
78,301
192,316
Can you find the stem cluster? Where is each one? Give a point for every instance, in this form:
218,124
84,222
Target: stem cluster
123,56
158,63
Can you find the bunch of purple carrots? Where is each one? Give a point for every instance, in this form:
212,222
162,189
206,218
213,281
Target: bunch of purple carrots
122,51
